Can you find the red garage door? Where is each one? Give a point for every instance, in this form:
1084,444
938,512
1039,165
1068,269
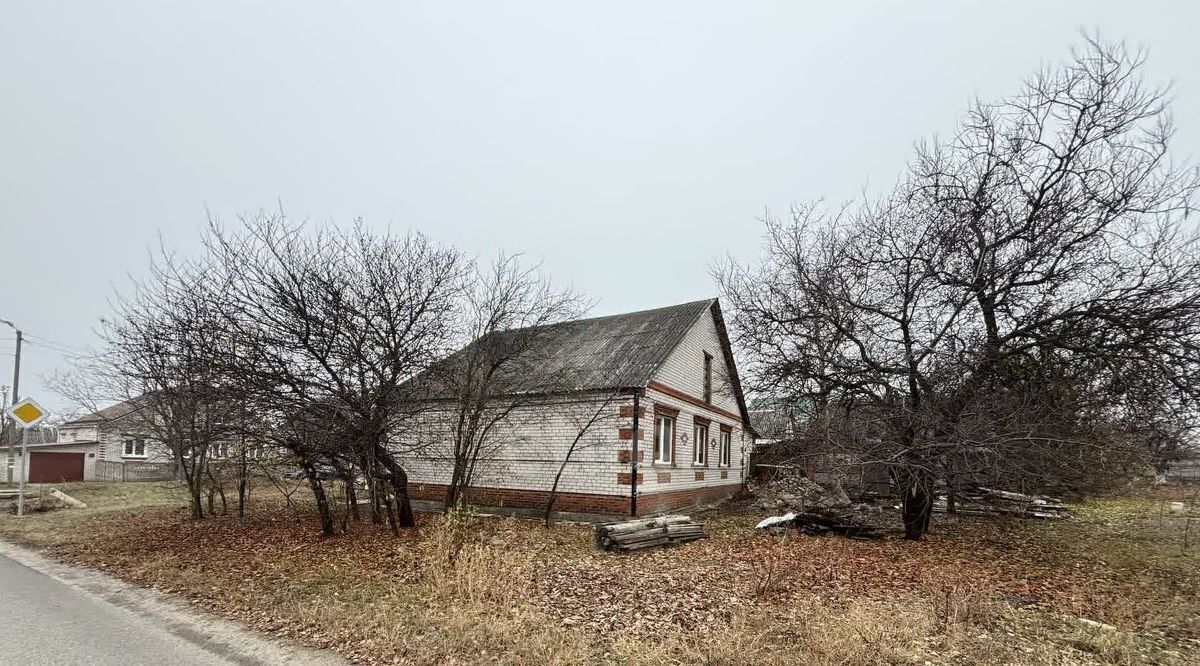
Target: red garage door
55,467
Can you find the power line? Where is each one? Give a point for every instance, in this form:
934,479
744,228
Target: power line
54,343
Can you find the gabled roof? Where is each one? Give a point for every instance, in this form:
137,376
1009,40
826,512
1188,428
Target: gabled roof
110,413
616,352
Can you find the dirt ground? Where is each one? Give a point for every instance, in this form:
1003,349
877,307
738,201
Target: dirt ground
488,590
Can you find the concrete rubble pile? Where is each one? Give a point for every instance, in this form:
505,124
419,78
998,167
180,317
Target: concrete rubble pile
811,507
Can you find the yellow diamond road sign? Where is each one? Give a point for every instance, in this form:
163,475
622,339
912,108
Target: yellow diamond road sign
27,412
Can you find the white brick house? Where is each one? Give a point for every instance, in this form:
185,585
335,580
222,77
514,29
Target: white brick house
110,435
671,366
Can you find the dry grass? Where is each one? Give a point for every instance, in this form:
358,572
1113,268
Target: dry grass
65,528
466,589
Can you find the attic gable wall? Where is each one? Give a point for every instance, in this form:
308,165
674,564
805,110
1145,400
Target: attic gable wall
684,368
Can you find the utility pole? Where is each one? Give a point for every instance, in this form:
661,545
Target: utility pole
16,387
8,462
17,370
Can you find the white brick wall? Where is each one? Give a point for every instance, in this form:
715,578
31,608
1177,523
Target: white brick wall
684,368
112,447
527,448
683,371
111,440
683,471
530,445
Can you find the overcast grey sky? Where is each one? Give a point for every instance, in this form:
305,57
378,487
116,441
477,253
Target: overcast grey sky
625,144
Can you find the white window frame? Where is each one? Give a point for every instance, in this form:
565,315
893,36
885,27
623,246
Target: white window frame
218,450
664,435
131,446
700,445
725,458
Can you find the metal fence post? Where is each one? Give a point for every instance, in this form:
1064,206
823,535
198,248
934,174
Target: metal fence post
21,481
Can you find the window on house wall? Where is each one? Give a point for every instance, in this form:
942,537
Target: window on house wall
664,435
134,447
707,377
218,450
700,455
726,447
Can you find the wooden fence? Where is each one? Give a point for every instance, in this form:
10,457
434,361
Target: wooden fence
130,471
1184,471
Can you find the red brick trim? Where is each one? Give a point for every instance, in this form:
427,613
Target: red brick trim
680,395
580,502
625,455
678,499
727,428
666,410
664,477
528,499
627,433
700,420
626,411
623,478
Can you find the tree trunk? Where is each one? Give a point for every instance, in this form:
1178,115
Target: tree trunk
391,514
917,507
352,500
453,491
373,496
951,489
403,502
193,483
399,480
197,505
242,486
318,492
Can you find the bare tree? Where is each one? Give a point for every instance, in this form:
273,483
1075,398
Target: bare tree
162,350
329,325
589,419
1027,293
507,315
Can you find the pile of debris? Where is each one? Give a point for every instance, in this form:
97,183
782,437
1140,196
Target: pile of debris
820,523
991,502
811,507
647,533
38,504
40,499
790,489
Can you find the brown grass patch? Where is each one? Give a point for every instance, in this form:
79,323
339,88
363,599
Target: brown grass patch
467,589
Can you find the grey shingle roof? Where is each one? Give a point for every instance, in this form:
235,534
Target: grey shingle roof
618,351
598,354
110,413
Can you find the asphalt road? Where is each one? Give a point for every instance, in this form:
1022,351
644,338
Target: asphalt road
51,613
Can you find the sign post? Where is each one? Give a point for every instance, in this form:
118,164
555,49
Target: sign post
27,413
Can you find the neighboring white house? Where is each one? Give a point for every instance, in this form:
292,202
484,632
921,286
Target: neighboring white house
675,364
109,436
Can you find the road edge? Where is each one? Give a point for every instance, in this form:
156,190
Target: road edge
224,638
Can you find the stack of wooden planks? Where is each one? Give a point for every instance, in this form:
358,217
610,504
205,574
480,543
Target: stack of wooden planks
647,533
980,501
